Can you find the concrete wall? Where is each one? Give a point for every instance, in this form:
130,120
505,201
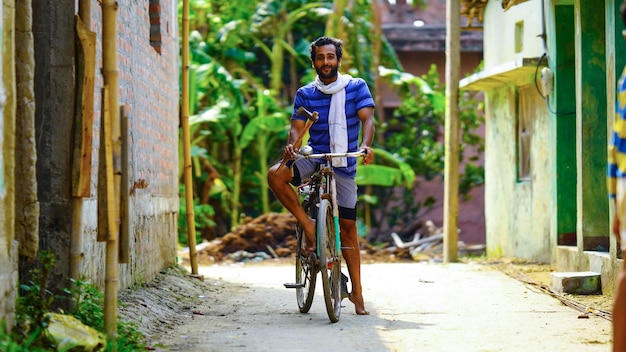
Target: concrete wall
600,56
560,216
500,32
518,215
148,80
8,245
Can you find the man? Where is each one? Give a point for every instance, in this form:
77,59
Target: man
617,192
347,104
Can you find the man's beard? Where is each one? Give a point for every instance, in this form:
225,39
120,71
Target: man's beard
331,74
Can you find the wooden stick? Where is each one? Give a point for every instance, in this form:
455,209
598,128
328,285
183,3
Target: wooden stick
187,166
312,118
113,153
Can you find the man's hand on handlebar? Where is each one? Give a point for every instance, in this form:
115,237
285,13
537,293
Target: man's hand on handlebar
289,152
369,154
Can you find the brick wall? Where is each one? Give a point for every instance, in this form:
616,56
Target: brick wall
148,88
148,79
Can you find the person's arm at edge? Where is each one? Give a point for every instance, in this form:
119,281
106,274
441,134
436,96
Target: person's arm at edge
612,186
366,115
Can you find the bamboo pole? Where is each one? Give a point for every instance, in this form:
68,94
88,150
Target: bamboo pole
451,193
191,223
84,11
112,153
376,46
124,210
112,272
83,133
380,111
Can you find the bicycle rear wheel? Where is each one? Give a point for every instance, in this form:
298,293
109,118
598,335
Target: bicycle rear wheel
330,260
305,274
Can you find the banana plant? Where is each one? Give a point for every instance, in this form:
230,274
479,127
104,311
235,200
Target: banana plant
388,171
219,96
274,19
259,132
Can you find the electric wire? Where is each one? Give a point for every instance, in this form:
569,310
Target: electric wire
545,98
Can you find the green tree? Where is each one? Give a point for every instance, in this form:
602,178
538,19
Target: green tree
249,56
232,44
414,134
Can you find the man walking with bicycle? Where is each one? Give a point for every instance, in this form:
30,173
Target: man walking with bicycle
346,108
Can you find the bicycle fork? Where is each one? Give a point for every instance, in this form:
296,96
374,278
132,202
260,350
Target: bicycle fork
333,192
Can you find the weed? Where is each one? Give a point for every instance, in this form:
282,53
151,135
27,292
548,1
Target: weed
88,301
33,308
88,308
33,305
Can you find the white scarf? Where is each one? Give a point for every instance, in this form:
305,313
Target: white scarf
337,126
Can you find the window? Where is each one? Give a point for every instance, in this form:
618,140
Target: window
519,37
154,11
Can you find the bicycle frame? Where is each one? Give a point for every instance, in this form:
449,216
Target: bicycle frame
320,195
327,170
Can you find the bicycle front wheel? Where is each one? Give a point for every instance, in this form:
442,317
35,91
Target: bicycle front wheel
330,260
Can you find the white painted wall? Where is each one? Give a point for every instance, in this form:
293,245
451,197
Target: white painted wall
530,14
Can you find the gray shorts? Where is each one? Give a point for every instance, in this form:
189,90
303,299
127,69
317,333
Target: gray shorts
346,187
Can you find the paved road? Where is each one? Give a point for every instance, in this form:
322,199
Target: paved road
414,307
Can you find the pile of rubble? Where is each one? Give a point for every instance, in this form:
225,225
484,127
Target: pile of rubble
272,235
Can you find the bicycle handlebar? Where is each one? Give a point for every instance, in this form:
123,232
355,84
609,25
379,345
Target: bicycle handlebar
331,155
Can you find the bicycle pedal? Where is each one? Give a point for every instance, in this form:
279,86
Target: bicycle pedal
344,286
294,285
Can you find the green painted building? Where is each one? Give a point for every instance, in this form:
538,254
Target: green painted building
549,78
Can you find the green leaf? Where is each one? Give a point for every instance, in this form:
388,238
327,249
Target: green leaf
378,175
259,125
212,114
399,78
398,174
373,200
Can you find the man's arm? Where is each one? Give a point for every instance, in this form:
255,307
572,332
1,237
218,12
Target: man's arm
366,115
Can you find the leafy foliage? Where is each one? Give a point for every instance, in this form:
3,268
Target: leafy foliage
88,308
247,60
415,135
34,305
415,132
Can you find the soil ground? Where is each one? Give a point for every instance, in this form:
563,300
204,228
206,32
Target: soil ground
238,302
475,305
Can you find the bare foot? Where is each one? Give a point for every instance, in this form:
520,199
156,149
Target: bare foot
309,234
359,306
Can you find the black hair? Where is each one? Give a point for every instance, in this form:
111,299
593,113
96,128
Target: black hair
327,41
622,11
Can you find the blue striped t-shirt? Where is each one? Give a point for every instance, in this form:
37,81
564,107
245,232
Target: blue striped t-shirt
358,96
617,149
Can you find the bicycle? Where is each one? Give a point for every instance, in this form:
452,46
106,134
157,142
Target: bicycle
320,202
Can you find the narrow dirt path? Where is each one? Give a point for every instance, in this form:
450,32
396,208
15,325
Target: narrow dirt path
414,307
